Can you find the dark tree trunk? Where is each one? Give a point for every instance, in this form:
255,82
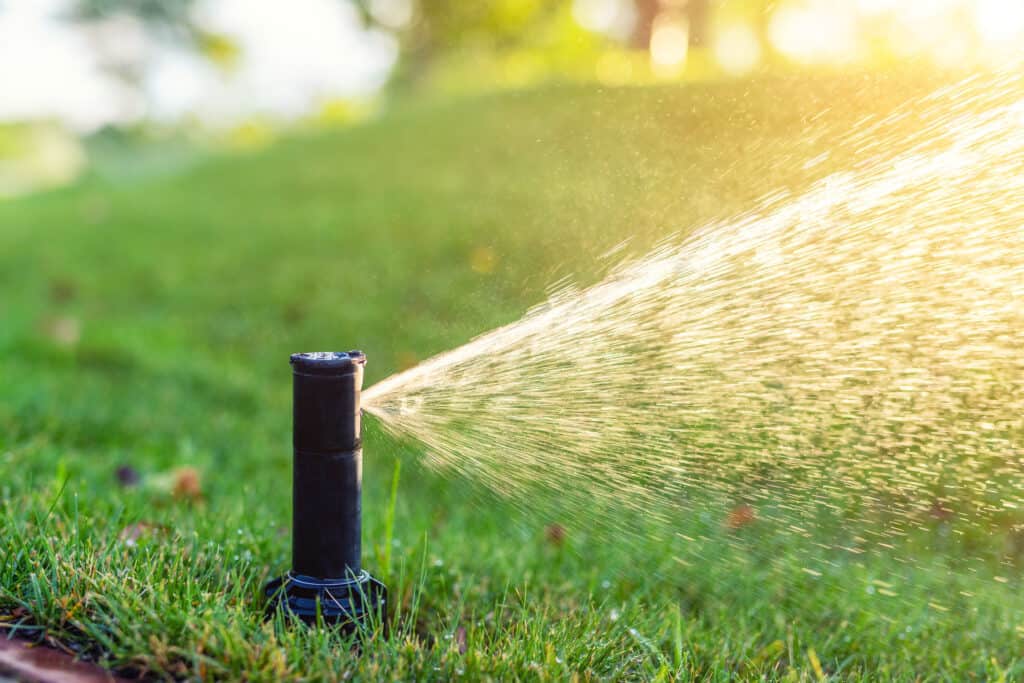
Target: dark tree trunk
646,13
697,15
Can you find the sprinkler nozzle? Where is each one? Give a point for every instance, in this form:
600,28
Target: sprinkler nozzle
327,467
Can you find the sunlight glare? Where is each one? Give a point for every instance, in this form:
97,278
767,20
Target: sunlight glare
737,49
1000,22
669,45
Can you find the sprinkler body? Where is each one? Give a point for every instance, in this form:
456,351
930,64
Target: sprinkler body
326,574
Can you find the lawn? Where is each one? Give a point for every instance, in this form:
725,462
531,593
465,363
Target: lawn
147,323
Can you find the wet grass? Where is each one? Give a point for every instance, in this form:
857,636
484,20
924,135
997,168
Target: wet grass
148,325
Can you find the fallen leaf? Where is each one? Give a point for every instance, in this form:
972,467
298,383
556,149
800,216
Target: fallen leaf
555,534
187,484
741,516
48,660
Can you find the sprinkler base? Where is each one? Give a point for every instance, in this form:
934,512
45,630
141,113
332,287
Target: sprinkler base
356,603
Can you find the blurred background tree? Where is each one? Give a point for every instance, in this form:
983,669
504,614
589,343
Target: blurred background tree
167,21
432,35
105,19
238,71
429,30
563,36
170,15
437,35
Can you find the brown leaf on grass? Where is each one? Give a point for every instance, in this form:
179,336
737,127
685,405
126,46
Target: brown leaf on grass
555,534
187,484
183,484
24,660
740,516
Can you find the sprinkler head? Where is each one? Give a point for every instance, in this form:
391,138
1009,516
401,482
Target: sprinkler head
326,574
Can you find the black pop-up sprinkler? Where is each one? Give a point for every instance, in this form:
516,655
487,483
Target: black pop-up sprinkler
327,468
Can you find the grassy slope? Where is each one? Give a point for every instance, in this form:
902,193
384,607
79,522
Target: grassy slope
191,292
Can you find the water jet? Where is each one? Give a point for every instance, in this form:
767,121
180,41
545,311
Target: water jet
850,351
326,575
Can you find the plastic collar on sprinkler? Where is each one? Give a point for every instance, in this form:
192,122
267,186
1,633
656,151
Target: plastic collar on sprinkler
326,491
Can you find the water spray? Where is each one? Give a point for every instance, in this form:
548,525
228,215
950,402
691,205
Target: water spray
326,575
854,348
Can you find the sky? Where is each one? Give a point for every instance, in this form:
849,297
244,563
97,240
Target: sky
293,55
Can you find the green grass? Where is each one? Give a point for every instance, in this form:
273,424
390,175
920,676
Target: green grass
191,291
